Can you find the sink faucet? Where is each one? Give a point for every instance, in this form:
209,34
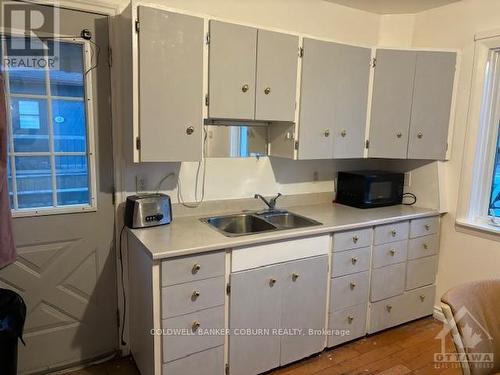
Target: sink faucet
271,203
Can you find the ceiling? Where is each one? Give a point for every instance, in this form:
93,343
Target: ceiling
393,6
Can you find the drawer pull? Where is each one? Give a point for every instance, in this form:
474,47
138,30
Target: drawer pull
389,308
195,326
422,297
427,227
195,269
352,285
350,318
425,246
355,239
272,282
354,260
245,88
393,252
195,295
394,233
295,276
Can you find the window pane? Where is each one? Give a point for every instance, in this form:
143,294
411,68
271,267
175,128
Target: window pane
25,80
34,183
68,80
72,180
70,133
29,125
495,189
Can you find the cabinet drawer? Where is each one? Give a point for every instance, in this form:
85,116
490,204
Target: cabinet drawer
352,239
347,324
208,362
422,227
391,253
187,341
420,302
189,297
388,281
349,291
352,261
421,272
391,232
192,268
387,313
423,246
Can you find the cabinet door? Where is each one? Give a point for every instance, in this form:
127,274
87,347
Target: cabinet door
391,103
316,98
351,69
170,85
430,116
303,307
255,303
232,66
277,57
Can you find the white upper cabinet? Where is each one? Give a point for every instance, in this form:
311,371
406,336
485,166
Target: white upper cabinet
252,73
170,89
432,98
333,100
391,103
411,104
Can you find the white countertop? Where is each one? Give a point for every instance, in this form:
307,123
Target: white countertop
188,235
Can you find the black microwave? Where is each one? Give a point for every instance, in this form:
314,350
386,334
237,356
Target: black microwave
367,189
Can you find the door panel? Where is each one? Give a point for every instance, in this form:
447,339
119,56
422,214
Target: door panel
430,117
352,74
65,269
232,66
391,104
255,304
277,58
303,307
170,85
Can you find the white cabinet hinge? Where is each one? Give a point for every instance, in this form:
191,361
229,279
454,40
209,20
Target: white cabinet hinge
226,369
137,26
296,145
228,288
207,38
446,146
137,143
110,57
301,52
206,100
373,63
367,144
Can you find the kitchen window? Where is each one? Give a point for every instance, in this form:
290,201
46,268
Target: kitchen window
50,151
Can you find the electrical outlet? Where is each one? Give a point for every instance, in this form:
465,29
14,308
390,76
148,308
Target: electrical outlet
140,183
407,182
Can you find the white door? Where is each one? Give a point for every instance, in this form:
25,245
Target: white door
65,269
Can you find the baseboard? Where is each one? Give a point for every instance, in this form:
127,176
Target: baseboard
438,314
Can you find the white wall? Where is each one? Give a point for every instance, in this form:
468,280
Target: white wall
464,255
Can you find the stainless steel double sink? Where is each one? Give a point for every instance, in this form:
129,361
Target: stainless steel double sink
258,222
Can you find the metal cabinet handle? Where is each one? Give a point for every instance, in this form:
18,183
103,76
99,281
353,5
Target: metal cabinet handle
350,318
295,276
195,295
355,239
388,308
327,133
267,90
272,281
393,233
189,130
393,252
245,88
399,135
343,133
422,297
195,269
354,260
420,135
196,324
427,227
352,285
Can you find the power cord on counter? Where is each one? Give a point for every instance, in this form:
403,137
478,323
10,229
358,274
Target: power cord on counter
412,196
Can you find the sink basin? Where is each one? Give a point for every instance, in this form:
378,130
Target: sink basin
239,225
252,223
289,220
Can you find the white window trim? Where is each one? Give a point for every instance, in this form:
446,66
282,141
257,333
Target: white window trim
480,139
91,157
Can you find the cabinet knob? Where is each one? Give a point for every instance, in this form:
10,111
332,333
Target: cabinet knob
327,133
422,298
420,135
350,318
355,239
425,246
393,233
393,252
196,324
427,227
195,269
352,285
245,88
267,90
189,130
388,308
272,282
295,276
399,135
354,260
343,133
195,295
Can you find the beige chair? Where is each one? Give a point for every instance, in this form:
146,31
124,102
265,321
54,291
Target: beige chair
472,311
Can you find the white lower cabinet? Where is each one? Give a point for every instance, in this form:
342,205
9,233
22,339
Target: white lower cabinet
207,362
347,324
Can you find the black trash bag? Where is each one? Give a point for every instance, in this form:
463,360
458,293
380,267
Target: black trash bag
12,317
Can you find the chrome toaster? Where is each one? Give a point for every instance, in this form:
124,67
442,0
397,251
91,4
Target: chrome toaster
148,210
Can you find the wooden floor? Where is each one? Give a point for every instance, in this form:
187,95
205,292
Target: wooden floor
407,349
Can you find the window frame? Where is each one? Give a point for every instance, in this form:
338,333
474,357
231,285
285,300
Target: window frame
88,99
